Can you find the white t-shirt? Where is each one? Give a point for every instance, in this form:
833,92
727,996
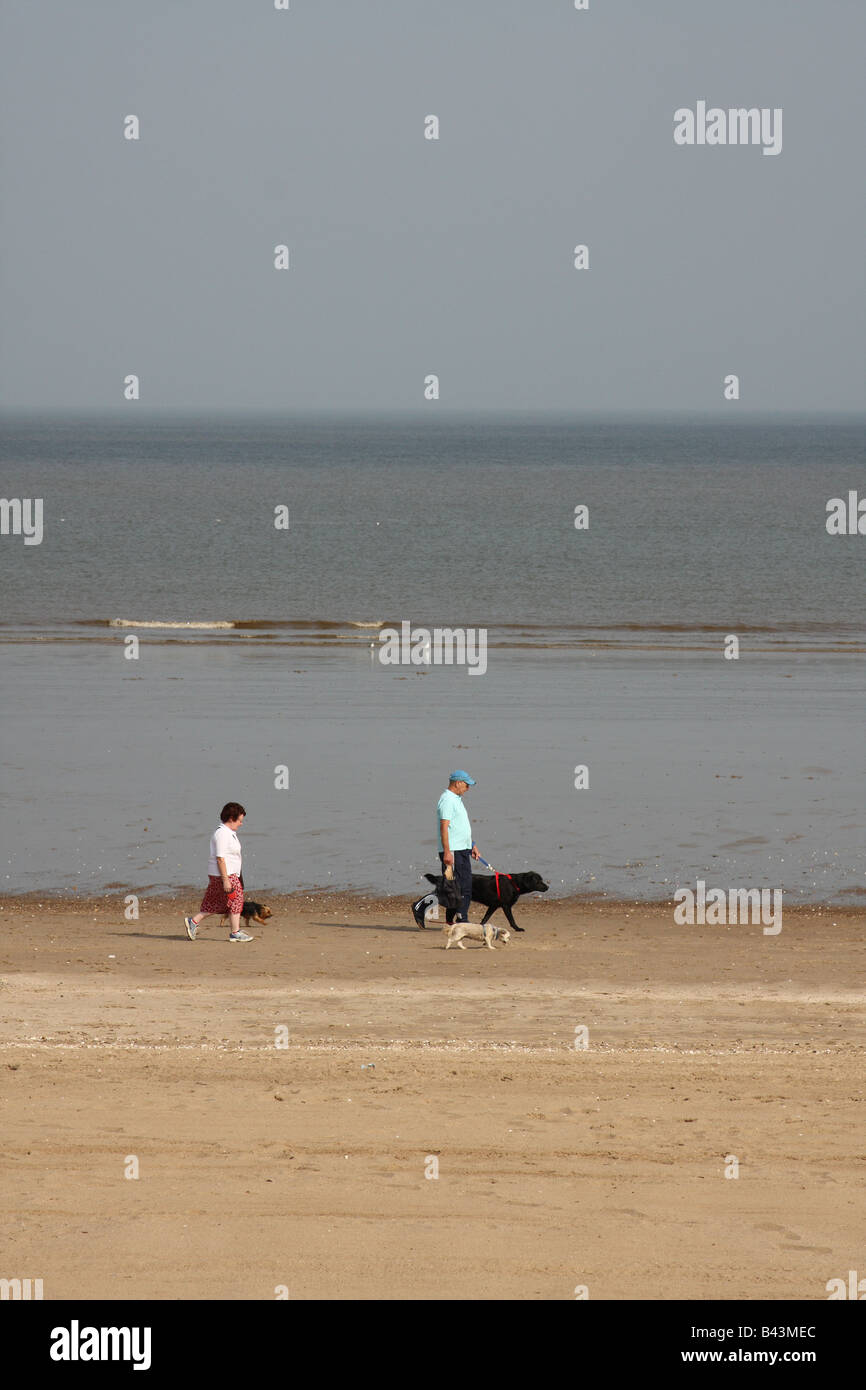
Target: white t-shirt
225,843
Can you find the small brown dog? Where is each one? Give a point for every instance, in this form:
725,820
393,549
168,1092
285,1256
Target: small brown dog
252,912
475,931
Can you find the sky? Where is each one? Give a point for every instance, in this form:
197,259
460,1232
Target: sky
411,257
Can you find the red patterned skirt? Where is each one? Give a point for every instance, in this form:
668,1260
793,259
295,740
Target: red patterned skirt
216,899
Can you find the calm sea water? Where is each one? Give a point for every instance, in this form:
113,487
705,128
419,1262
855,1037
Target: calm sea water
605,649
694,529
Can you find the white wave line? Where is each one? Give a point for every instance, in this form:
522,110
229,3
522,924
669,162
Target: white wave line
148,622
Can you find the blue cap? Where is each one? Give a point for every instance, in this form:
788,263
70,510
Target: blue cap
461,776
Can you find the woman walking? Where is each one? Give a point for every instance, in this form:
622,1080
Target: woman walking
225,889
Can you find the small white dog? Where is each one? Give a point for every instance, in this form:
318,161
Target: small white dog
475,932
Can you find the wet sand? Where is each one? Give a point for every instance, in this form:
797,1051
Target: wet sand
305,1165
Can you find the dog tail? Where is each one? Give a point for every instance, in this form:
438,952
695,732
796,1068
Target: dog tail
431,878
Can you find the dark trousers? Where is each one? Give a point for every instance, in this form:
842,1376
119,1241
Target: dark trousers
463,875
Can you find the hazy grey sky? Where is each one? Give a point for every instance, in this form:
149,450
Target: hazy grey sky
412,256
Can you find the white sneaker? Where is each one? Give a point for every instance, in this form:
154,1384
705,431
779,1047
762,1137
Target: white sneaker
239,936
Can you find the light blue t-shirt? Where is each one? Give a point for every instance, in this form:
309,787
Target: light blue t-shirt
450,807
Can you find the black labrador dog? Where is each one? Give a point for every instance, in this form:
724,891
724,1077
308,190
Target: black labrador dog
503,890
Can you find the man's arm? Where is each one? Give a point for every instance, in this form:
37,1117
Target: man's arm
443,831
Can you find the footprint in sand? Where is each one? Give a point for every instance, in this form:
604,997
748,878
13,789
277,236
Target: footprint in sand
796,1241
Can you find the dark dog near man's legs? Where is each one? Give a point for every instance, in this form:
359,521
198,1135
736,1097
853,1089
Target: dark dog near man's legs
447,893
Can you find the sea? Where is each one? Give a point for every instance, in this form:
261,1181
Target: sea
674,651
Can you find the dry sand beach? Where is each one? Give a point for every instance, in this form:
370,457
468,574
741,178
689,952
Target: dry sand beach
304,1166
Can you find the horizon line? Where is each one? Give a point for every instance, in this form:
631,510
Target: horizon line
417,414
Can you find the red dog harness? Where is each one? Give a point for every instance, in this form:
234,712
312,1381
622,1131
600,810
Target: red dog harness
498,891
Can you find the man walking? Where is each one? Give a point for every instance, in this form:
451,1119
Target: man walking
225,889
456,847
